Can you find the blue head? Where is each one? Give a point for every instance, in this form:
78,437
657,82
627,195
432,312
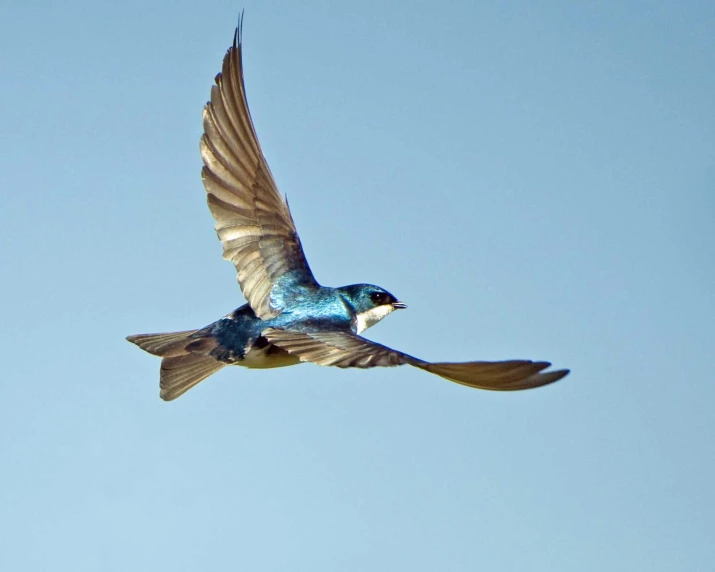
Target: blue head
371,303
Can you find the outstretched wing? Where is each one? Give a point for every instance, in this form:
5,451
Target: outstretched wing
338,348
253,220
345,349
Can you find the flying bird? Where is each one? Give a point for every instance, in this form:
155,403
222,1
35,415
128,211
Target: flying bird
289,317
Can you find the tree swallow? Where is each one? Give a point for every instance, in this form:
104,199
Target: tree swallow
289,317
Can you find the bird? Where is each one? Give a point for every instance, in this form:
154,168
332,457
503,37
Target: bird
289,318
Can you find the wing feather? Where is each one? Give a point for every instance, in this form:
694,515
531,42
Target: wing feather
346,349
253,221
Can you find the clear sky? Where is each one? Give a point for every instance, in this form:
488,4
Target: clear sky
535,179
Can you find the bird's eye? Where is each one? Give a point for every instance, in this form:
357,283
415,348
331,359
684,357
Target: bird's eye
379,297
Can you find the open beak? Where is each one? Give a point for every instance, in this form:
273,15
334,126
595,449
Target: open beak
399,305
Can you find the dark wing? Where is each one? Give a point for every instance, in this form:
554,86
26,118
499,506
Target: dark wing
253,221
511,375
338,348
345,349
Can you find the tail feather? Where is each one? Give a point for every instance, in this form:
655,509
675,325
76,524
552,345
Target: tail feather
186,360
181,373
162,345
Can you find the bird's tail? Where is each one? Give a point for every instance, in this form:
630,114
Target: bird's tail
186,360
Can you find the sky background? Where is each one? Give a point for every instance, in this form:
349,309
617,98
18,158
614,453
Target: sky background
535,179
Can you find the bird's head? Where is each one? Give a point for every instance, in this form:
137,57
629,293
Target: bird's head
371,303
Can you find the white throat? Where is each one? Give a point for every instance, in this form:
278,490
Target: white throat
372,316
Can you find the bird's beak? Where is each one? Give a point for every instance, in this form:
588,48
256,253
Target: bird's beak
399,305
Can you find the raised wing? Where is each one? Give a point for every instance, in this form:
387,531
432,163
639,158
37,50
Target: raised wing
253,220
345,349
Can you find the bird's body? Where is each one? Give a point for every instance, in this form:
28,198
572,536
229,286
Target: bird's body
289,317
239,341
239,335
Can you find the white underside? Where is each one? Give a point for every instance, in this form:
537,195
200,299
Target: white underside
257,359
373,316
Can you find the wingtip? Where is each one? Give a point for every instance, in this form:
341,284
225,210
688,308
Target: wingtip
561,373
511,375
237,35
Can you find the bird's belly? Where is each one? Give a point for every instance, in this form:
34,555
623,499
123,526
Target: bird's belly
266,357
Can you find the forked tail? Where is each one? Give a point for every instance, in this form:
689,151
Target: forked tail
186,360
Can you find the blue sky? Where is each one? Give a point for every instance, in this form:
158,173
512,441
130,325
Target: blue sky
535,179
